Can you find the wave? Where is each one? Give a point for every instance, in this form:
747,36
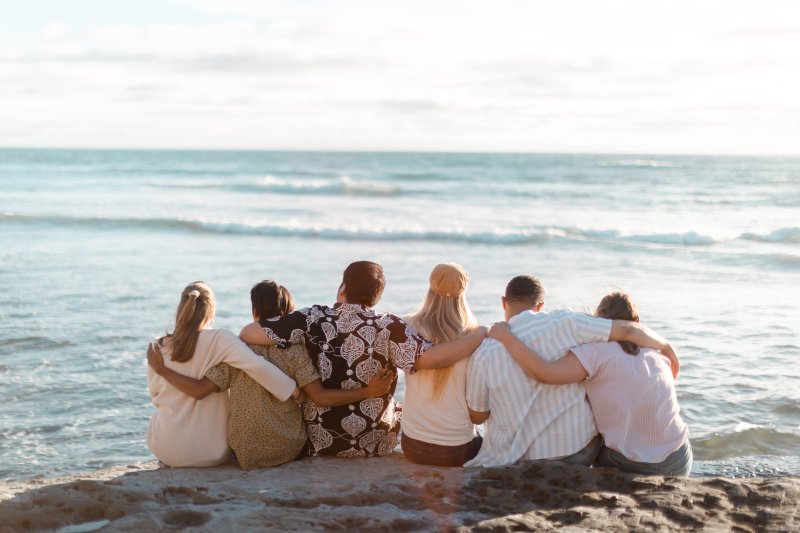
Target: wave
518,236
343,185
782,235
746,440
650,163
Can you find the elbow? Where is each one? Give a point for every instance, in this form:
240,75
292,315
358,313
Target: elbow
200,395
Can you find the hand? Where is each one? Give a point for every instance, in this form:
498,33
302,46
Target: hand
298,396
154,358
675,363
381,383
500,331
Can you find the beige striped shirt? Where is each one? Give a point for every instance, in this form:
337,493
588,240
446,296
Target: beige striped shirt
530,420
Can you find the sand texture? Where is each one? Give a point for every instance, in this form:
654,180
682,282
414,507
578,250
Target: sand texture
391,494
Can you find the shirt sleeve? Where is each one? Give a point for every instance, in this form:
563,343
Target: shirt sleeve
477,388
304,370
405,345
237,354
220,375
589,357
287,329
586,328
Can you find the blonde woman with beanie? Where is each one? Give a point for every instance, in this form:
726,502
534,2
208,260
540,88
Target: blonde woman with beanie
436,428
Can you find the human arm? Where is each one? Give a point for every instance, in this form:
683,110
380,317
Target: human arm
196,388
449,353
567,369
282,330
237,354
641,335
323,397
478,417
253,333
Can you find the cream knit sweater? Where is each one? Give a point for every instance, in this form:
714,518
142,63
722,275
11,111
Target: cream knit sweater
188,432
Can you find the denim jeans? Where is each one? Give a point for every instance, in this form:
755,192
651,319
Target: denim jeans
425,453
678,463
585,456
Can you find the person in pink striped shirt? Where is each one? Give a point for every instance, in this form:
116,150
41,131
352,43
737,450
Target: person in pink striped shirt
631,391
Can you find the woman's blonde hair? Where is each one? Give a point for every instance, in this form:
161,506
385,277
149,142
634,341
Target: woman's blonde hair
195,311
444,314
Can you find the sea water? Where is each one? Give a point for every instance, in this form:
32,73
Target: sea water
95,247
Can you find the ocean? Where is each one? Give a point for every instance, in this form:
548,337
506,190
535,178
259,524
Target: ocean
96,245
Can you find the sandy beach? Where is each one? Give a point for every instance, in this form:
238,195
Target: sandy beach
391,494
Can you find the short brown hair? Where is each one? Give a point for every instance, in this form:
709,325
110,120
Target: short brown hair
525,289
269,299
364,282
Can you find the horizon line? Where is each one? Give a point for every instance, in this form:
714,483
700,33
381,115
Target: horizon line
391,151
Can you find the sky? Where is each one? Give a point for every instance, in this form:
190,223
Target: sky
718,77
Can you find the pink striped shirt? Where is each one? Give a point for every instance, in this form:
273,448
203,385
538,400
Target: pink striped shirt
633,401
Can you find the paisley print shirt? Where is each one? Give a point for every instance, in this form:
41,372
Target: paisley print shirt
350,345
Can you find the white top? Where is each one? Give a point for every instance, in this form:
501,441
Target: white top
188,432
444,421
530,420
633,400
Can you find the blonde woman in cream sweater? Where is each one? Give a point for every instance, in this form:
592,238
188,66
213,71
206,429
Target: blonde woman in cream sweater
436,426
187,432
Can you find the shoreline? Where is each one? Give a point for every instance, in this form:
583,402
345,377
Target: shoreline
392,494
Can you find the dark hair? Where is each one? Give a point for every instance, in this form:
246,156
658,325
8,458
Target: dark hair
270,299
525,289
619,305
364,282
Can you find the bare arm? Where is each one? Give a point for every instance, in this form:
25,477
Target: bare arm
641,335
478,417
567,369
378,386
253,333
450,353
196,388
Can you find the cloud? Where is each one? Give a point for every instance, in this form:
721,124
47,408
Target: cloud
439,74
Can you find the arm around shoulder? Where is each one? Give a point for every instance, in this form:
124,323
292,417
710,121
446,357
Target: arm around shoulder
253,333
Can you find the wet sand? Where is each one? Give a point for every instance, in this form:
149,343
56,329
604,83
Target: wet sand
391,494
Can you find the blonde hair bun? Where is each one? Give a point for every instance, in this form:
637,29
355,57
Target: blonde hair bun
449,279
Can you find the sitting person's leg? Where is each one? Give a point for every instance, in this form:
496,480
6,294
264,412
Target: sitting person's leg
425,453
585,456
678,463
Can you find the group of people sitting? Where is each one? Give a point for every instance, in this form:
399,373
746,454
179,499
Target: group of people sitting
559,385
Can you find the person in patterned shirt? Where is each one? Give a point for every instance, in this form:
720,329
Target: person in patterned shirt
351,343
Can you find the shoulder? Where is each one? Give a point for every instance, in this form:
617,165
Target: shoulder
486,349
218,334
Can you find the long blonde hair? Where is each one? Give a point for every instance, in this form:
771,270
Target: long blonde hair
444,315
195,311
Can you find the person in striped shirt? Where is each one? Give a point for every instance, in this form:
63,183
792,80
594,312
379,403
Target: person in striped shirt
525,419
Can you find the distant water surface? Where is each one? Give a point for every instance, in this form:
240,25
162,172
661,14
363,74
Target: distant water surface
95,247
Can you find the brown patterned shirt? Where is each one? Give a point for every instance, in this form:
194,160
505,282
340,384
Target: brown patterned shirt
262,430
350,345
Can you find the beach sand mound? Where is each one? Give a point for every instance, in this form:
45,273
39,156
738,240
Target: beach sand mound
391,494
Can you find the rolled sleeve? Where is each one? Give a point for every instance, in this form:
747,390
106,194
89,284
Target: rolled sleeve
588,357
220,375
405,345
287,329
586,328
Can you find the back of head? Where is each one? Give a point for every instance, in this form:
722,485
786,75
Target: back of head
269,299
444,314
619,305
527,290
195,311
364,282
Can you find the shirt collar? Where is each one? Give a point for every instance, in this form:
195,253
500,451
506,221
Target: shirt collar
521,316
352,308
